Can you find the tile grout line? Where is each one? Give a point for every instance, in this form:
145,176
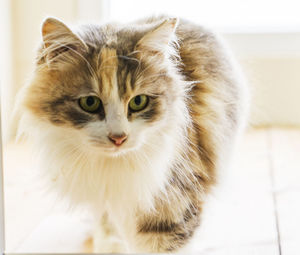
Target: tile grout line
271,172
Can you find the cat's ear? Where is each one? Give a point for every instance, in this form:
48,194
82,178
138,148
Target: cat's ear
159,39
58,38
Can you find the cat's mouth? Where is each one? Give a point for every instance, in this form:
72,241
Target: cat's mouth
111,148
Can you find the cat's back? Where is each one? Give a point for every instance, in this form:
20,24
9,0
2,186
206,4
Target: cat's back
218,101
204,56
219,97
219,85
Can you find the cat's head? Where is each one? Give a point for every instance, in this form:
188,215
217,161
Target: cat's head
112,88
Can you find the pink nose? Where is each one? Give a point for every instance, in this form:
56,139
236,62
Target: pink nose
117,139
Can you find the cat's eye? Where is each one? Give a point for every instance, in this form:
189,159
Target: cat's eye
138,103
90,104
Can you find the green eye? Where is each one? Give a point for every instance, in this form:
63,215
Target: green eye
138,103
90,104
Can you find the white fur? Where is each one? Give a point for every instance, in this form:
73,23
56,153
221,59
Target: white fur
84,166
102,176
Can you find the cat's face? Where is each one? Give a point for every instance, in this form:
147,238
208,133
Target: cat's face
115,96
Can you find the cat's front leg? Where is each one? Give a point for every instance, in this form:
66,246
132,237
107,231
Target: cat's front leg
106,239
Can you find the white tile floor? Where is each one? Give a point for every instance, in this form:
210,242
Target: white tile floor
255,209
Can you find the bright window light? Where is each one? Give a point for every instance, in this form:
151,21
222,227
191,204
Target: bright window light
224,15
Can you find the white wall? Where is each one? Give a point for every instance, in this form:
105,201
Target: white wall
275,86
6,61
271,63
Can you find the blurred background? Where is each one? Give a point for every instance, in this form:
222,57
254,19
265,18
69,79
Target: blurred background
264,35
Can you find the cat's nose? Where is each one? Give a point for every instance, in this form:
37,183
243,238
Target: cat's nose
117,139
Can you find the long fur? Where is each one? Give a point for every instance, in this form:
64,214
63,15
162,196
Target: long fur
151,193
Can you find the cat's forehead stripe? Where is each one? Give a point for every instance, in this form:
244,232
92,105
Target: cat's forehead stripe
108,70
129,82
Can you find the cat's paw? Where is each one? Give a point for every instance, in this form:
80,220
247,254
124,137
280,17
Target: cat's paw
88,245
109,245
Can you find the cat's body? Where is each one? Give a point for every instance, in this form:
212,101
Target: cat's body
148,188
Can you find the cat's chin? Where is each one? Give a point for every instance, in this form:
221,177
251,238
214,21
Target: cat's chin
114,151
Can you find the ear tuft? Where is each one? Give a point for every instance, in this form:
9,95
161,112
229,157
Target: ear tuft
160,38
58,38
52,28
51,24
173,22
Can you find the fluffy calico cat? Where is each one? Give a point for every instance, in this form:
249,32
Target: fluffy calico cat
134,121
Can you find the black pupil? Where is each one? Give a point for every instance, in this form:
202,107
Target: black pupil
90,101
138,100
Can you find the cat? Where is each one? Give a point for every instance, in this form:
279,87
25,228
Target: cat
134,122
